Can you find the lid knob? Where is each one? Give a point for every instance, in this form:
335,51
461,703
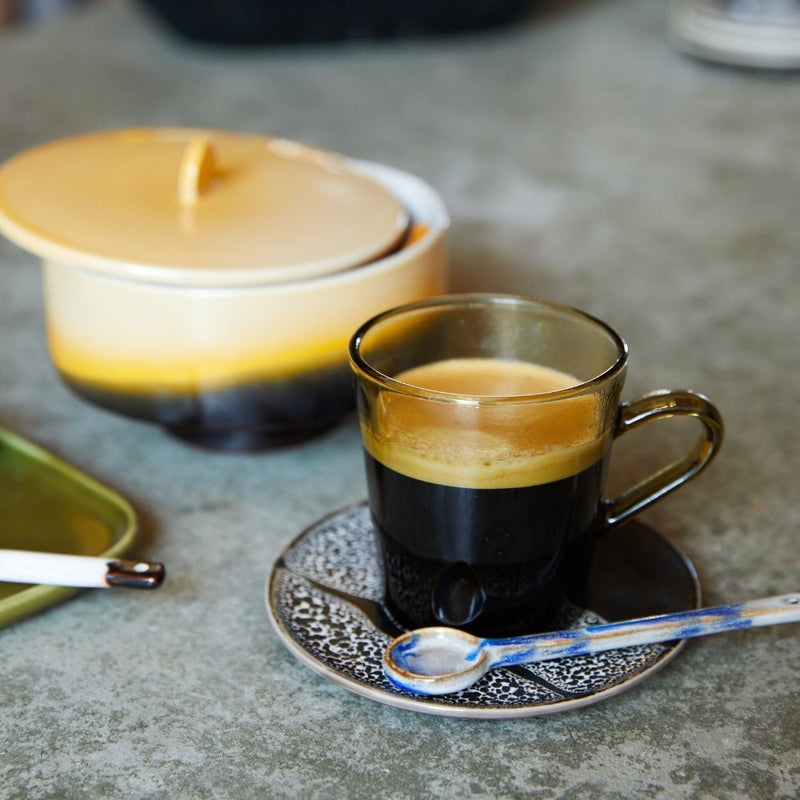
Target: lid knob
196,170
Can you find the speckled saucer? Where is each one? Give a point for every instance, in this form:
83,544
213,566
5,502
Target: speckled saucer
325,601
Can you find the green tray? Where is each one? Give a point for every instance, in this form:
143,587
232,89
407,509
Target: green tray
47,505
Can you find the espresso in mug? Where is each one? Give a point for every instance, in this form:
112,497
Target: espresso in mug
486,516
487,423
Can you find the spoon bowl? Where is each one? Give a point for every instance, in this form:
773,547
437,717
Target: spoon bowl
427,659
442,660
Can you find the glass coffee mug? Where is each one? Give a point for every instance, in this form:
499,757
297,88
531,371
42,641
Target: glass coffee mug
487,423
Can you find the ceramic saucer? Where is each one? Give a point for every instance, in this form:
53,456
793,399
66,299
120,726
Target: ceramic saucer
325,601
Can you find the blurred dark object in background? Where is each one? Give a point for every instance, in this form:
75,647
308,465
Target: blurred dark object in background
254,22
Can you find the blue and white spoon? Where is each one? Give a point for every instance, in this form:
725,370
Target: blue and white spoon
442,660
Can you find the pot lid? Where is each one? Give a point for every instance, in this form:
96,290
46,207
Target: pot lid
194,207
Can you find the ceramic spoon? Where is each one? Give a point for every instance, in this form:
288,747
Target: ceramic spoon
443,660
89,572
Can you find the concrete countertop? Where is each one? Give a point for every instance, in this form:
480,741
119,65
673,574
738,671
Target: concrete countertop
583,160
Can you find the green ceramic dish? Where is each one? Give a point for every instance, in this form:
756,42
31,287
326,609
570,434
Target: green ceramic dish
47,505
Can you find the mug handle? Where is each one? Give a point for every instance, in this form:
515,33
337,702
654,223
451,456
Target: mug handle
662,405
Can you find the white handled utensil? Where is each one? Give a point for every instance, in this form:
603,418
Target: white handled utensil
89,572
443,660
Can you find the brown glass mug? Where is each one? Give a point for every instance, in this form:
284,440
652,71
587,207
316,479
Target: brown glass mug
487,423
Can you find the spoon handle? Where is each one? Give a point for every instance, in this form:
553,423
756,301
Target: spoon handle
648,630
88,572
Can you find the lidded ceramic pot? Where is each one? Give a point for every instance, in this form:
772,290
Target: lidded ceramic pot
208,281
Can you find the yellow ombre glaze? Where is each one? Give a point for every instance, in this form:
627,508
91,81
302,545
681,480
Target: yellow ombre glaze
141,338
189,375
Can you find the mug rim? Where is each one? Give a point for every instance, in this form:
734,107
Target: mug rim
361,367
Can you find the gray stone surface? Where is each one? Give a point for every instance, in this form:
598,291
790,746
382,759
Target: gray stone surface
582,160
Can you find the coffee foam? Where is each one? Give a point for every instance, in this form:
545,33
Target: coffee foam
488,377
490,445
